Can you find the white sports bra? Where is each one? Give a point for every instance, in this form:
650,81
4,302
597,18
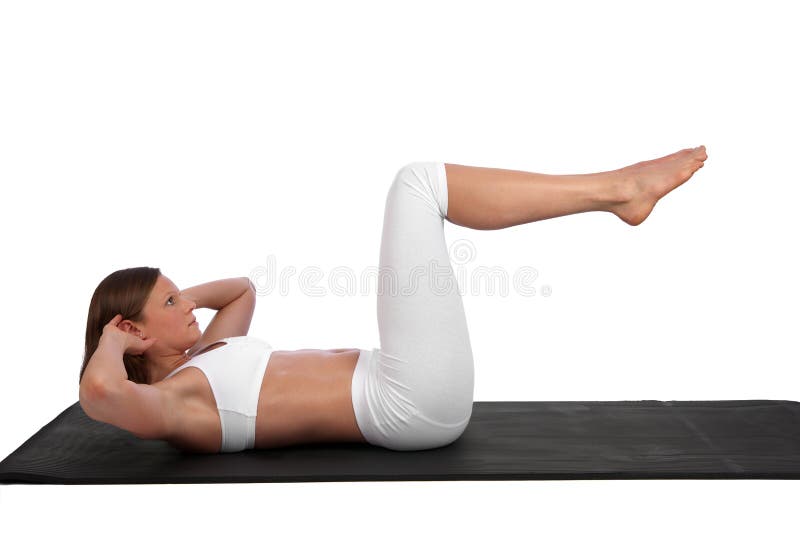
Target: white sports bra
235,372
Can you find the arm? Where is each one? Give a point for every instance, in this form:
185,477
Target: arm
236,298
105,365
144,410
107,395
219,293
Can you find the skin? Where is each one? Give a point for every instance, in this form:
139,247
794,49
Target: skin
309,389
311,384
167,317
490,199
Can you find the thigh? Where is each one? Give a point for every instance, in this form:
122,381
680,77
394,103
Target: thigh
425,357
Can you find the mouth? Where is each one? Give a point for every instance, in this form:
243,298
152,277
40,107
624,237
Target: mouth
193,323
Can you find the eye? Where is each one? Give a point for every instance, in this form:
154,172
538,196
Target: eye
170,298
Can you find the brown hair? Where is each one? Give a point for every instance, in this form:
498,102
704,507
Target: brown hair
124,292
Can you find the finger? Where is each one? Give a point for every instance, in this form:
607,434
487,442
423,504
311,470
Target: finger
114,320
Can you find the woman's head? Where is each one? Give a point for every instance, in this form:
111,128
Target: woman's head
151,306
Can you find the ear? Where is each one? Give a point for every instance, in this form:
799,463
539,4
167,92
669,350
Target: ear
128,326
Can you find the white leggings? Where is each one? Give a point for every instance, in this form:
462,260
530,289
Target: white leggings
415,391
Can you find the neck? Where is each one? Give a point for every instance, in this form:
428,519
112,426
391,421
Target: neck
161,366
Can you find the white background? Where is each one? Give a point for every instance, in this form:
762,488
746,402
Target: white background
203,137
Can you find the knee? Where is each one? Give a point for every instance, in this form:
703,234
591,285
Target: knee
407,176
423,179
408,169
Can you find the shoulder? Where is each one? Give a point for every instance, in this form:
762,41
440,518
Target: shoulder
193,423
178,395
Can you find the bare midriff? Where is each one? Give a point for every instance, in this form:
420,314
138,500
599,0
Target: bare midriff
304,398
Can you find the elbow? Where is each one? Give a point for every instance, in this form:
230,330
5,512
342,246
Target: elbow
250,286
88,393
88,389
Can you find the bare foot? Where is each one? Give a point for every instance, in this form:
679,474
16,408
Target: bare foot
647,181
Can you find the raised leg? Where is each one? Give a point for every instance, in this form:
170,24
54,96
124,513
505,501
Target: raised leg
489,199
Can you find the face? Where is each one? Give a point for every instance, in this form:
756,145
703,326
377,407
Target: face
168,316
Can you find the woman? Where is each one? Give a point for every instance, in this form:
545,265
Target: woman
150,370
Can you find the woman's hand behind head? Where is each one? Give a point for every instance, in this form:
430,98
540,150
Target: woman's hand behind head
128,342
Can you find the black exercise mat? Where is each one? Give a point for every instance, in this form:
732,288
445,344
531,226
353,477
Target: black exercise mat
504,441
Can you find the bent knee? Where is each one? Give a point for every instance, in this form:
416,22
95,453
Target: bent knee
423,180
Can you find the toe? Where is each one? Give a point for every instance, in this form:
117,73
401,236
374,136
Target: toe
700,152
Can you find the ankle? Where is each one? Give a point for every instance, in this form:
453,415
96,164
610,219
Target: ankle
616,187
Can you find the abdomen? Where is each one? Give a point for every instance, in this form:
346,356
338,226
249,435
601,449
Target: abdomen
305,398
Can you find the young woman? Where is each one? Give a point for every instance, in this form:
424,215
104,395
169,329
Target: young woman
150,370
